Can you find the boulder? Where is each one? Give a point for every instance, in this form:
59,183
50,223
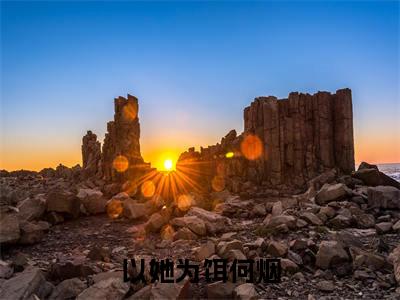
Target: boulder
373,177
32,233
364,165
340,222
93,201
332,192
276,221
364,220
63,202
330,253
176,290
214,222
205,251
289,266
396,226
155,223
224,247
70,268
384,197
277,249
24,285
112,288
246,291
220,290
134,210
68,289
311,218
32,208
194,223
383,227
394,259
9,229
184,234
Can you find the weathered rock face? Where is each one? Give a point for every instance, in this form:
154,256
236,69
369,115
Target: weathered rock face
91,155
285,143
122,138
120,158
303,135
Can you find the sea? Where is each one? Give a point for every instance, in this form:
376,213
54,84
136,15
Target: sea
392,170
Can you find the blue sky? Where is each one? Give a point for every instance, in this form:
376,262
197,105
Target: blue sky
193,65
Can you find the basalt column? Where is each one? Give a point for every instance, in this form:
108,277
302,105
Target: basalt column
303,135
121,149
91,156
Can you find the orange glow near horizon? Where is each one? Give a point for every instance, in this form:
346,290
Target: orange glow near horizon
373,149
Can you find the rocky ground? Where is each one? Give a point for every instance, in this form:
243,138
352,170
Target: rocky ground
63,240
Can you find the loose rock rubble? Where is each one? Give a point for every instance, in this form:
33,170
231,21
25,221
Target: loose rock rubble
65,233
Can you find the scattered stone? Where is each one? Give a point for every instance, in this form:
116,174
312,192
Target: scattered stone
54,218
184,234
277,209
9,229
330,253
68,289
214,222
394,258
99,254
311,218
112,288
259,210
364,220
373,177
31,233
277,249
155,223
332,192
63,202
205,251
93,201
134,210
328,211
245,291
6,271
287,220
179,290
396,226
194,223
384,197
340,222
220,290
32,209
24,285
326,286
383,227
289,266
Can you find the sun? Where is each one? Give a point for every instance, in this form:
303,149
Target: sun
168,164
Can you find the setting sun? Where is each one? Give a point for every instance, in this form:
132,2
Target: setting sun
168,164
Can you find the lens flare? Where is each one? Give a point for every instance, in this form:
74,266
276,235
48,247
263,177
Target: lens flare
167,232
129,111
114,208
229,155
130,188
184,202
148,188
251,147
120,163
218,183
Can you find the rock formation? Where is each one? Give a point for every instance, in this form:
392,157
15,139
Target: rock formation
91,155
285,142
122,138
120,158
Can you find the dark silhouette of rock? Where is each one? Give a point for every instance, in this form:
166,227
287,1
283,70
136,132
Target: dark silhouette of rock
285,143
91,155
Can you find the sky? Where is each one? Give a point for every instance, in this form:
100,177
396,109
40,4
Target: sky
194,67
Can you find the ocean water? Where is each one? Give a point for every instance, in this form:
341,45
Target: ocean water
392,170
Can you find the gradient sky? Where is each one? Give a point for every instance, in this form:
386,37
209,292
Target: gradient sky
193,65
